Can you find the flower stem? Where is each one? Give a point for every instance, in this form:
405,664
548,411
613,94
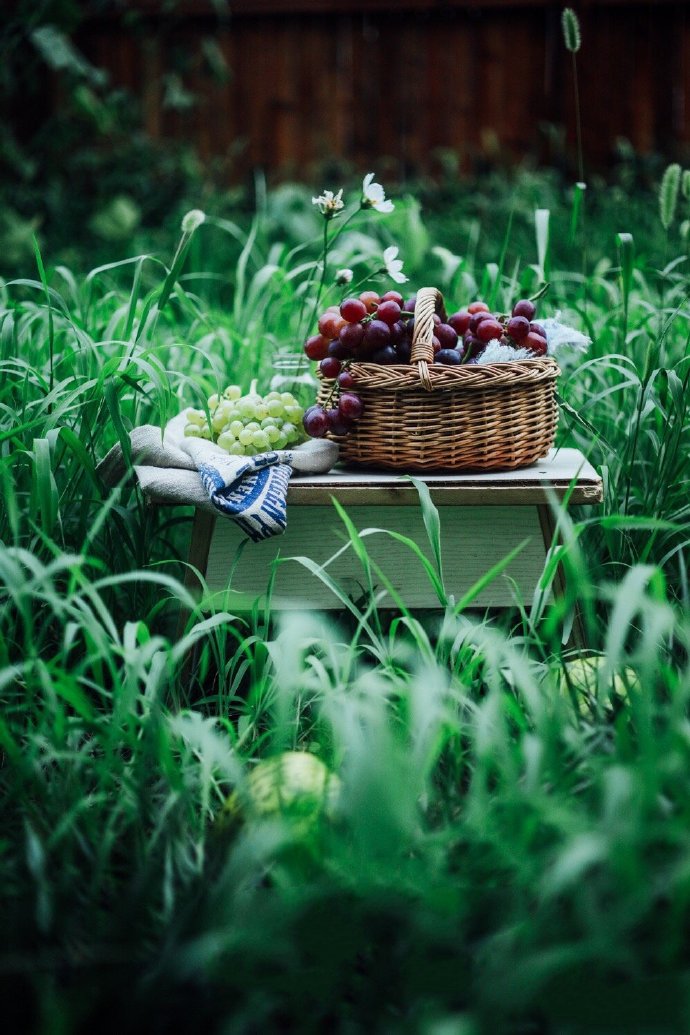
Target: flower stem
325,248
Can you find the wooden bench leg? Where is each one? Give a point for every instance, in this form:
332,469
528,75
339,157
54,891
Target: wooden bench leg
200,542
577,636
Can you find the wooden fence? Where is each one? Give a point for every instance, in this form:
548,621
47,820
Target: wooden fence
289,85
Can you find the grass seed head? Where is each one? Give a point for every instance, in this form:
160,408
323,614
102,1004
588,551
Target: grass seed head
668,194
571,30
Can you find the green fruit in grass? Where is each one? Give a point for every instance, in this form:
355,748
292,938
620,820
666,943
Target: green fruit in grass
588,678
295,786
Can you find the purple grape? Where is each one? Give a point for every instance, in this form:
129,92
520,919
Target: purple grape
386,355
315,421
346,380
353,309
477,318
316,347
537,328
377,334
449,357
518,327
388,311
447,335
337,423
351,336
524,308
395,296
330,367
338,350
489,329
460,321
398,332
403,352
350,406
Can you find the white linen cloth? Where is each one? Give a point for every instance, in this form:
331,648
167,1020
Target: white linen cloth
251,490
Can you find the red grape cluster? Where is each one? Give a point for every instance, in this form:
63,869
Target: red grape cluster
378,329
369,328
476,326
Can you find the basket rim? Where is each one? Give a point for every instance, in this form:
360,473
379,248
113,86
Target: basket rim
395,377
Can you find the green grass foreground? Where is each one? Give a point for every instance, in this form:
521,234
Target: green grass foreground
508,849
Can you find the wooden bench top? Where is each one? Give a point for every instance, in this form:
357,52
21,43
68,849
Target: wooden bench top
564,472
552,476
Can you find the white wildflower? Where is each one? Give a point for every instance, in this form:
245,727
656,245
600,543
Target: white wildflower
393,265
560,337
329,203
495,352
344,276
192,220
374,196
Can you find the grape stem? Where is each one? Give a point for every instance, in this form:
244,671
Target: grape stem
331,395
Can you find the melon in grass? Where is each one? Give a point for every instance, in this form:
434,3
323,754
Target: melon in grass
295,786
589,680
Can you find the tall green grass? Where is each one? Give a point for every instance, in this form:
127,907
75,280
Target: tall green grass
511,828
501,827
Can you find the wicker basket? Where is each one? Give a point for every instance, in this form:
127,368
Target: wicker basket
423,416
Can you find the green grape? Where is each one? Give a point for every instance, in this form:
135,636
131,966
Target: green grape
197,417
294,413
226,440
260,441
247,405
245,424
219,419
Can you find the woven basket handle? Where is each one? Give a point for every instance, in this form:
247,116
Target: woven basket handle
429,300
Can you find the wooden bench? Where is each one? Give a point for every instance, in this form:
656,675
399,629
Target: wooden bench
483,517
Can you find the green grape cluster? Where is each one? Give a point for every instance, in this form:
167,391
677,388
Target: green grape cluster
244,425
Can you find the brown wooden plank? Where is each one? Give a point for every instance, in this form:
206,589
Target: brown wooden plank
324,82
207,8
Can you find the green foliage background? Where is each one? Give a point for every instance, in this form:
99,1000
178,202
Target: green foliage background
509,849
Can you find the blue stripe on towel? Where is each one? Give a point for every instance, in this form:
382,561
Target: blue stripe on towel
252,491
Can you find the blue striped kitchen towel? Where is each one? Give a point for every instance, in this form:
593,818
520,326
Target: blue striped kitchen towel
252,490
